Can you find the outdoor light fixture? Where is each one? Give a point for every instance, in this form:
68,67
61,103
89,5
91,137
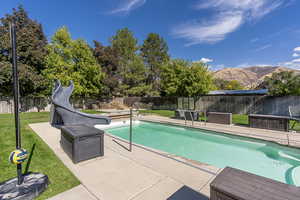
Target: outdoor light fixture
29,185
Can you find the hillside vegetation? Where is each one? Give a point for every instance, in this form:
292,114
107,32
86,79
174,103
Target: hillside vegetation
250,77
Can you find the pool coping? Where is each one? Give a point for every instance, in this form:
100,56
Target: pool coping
183,160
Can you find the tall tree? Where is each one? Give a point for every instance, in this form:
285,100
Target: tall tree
186,79
131,70
31,83
70,59
31,39
107,57
134,79
31,53
155,54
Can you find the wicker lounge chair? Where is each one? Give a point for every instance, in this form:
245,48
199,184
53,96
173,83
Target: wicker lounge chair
63,113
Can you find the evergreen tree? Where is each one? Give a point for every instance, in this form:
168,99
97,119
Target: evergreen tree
70,59
134,83
131,70
31,51
155,54
30,39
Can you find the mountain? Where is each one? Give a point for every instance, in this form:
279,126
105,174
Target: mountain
245,77
250,77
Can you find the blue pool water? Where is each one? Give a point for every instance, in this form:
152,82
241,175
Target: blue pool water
256,156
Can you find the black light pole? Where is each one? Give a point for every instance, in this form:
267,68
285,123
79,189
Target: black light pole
16,95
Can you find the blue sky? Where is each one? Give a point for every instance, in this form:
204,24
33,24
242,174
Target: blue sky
224,33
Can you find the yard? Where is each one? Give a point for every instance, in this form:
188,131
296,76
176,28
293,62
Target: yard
43,159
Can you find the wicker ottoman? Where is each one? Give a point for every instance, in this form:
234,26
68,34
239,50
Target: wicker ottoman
219,118
82,142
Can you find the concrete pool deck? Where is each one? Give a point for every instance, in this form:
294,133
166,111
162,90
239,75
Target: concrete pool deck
145,173
138,175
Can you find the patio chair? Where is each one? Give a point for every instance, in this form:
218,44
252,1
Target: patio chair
294,114
63,113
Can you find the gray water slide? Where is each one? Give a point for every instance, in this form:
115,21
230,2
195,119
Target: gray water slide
63,113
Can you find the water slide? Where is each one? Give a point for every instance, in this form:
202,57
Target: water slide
63,113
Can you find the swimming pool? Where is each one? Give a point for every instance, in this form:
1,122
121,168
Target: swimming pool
256,156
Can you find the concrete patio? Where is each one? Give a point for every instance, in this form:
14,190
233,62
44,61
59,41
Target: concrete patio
140,174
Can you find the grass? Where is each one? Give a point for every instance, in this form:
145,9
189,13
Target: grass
236,118
44,160
164,113
243,120
93,112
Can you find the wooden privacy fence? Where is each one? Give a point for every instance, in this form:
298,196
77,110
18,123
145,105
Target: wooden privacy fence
154,103
256,104
28,104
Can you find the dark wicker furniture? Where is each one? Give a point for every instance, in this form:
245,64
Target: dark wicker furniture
82,142
219,117
272,122
233,184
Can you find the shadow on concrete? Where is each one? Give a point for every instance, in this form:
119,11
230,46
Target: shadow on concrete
186,193
126,148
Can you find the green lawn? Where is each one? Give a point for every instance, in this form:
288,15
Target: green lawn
92,111
43,160
164,113
243,120
236,118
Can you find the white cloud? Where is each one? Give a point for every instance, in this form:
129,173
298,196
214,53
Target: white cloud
294,64
205,60
297,49
251,8
128,6
218,67
230,15
263,47
244,65
291,65
211,32
296,60
254,40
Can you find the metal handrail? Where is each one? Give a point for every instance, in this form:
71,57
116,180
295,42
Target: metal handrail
192,117
130,131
